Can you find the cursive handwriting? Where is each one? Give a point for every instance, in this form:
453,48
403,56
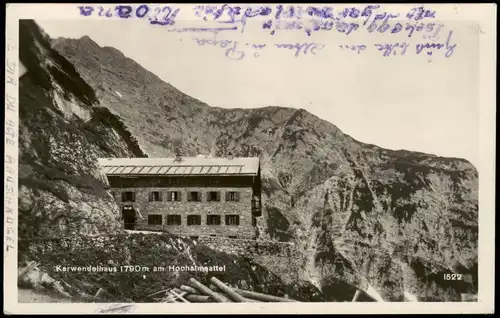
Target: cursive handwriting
164,16
356,48
301,48
420,13
430,47
220,18
232,49
392,48
308,19
213,30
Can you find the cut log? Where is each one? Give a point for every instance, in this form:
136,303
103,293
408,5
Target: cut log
207,291
198,298
233,295
356,295
226,299
177,290
170,297
26,269
262,297
189,289
161,291
370,291
214,288
99,292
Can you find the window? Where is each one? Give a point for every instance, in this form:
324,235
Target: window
193,237
194,220
174,196
194,196
232,237
254,221
155,196
173,219
213,235
155,219
128,196
213,219
232,220
232,196
213,196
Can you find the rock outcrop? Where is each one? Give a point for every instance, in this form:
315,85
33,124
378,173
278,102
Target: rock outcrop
63,130
388,221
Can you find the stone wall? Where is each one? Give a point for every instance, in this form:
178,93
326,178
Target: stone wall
248,247
282,258
243,208
239,247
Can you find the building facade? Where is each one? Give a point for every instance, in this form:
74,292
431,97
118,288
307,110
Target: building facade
187,196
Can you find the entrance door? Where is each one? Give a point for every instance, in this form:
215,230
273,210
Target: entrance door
128,214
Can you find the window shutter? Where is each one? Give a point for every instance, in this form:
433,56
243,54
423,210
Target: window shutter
227,196
218,196
160,194
169,196
150,196
133,196
237,196
123,196
209,197
237,220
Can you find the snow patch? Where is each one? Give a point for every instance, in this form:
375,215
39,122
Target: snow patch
69,108
143,232
22,69
410,297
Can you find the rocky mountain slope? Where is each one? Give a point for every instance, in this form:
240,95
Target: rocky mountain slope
393,222
63,129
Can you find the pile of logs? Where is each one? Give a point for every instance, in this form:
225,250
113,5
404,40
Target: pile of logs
218,292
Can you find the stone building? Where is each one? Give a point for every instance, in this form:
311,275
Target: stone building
192,196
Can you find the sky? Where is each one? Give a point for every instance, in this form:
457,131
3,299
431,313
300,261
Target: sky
415,102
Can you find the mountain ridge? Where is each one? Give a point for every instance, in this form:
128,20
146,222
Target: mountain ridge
87,39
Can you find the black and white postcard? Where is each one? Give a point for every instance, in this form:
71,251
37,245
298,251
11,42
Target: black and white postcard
201,158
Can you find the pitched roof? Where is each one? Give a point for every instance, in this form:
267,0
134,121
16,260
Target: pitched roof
183,167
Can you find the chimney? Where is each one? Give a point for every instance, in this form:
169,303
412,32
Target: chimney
230,156
212,149
178,157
